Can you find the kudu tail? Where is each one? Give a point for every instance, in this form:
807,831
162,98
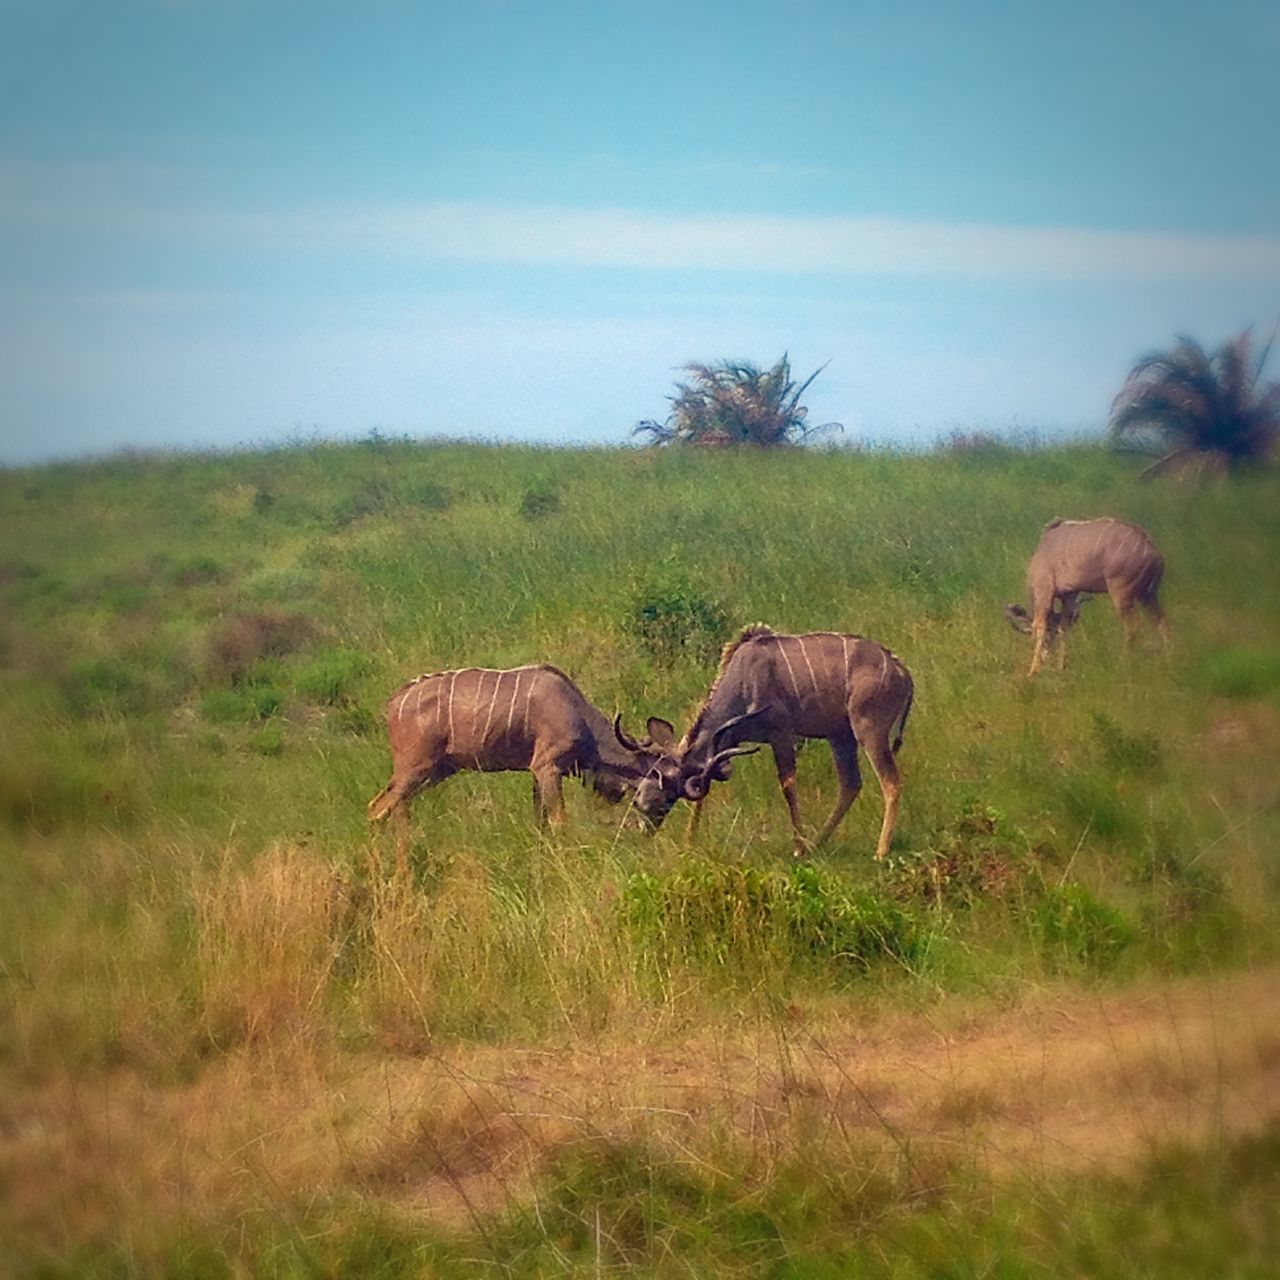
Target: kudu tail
902,722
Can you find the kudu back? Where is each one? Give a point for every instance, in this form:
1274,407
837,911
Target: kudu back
1075,558
775,689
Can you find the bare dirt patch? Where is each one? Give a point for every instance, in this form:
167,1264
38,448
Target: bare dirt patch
1063,1082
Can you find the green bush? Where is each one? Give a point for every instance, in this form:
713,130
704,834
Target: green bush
725,915
372,499
1075,929
244,702
1124,752
1188,919
671,617
966,863
1243,673
269,740
106,685
328,677
195,571
428,495
538,501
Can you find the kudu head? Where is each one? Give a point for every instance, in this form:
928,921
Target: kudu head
1019,619
699,769
1059,620
658,787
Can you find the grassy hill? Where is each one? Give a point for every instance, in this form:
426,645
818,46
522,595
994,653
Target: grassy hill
196,650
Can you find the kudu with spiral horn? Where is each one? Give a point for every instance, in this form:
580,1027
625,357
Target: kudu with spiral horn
775,689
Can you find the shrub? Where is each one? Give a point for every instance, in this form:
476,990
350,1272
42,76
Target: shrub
1075,928
246,702
99,685
538,501
196,571
1134,753
1242,673
269,740
670,616
970,861
428,495
727,915
247,638
1187,918
328,677
373,499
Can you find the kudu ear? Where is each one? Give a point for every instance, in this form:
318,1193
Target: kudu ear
662,733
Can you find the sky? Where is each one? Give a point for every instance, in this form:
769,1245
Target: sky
229,223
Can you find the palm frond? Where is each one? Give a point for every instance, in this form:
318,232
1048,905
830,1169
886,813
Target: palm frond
1208,407
735,402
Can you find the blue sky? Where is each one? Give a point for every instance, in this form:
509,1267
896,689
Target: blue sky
226,222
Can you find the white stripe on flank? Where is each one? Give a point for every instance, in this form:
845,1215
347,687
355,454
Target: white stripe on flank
884,668
790,670
453,680
528,698
804,653
514,692
493,702
403,700
844,649
1097,542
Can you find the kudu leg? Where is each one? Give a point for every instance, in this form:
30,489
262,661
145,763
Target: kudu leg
1122,598
876,745
1040,632
548,796
845,753
784,759
401,820
1067,617
694,818
392,802
1162,623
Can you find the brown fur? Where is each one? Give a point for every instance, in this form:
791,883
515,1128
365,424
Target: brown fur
776,688
1075,558
530,718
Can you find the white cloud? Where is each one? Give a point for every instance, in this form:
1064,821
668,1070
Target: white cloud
548,235
624,238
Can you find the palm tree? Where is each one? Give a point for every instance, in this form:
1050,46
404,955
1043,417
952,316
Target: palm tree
1204,411
731,403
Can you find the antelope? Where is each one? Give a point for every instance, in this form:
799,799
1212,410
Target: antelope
530,718
774,688
1077,558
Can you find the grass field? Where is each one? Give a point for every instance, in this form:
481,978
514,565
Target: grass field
232,1040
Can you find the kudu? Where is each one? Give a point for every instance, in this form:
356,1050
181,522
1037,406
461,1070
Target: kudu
529,718
1076,558
774,688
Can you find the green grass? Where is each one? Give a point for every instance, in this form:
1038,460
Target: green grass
194,651
623,1208
197,648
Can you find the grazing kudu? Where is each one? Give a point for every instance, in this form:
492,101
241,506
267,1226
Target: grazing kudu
774,688
530,718
1075,558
